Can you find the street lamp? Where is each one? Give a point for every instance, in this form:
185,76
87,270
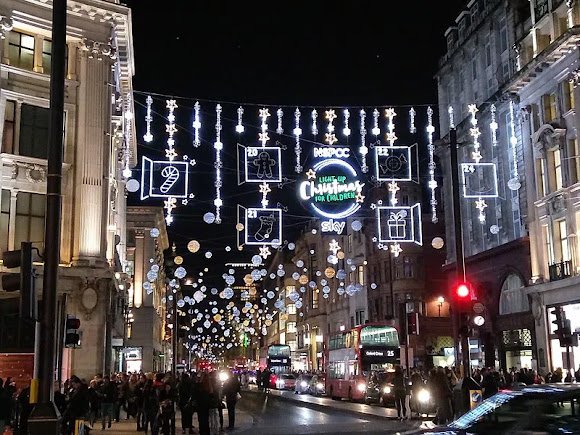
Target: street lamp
440,301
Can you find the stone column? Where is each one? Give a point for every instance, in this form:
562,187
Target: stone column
140,268
6,24
93,124
37,61
12,219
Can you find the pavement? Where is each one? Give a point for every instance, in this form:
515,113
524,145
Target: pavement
244,421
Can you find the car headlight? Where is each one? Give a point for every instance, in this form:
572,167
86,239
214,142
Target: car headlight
223,376
320,386
423,396
303,384
361,387
387,390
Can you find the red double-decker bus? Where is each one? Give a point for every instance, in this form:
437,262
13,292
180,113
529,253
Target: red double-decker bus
353,354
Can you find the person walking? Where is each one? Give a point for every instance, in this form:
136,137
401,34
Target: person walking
150,407
109,395
184,392
4,408
400,390
231,391
202,394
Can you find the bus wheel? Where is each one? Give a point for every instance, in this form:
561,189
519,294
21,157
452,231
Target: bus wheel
350,394
332,396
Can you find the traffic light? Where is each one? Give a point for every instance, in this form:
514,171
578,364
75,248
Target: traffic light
23,281
462,297
559,322
72,337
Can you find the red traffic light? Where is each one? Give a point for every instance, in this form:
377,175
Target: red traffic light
73,323
462,290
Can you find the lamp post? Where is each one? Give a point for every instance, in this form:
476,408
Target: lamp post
440,301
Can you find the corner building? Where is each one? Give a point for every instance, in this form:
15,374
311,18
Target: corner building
99,143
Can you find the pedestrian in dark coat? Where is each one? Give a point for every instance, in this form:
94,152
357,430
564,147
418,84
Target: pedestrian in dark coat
231,390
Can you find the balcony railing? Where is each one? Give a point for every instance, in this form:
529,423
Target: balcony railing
560,270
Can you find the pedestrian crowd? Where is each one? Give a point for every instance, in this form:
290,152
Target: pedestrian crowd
151,400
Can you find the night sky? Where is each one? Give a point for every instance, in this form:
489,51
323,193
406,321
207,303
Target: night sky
315,53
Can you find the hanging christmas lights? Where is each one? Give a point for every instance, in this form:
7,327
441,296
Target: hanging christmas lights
346,129
432,184
240,127
391,136
297,148
218,145
170,172
412,128
480,203
314,127
148,137
493,125
451,120
514,183
263,135
363,150
280,114
330,137
376,130
196,125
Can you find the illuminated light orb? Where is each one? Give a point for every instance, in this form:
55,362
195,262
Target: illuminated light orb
373,286
240,227
209,218
356,225
178,260
154,232
340,255
180,272
280,272
248,280
228,249
329,272
437,242
208,254
132,185
256,260
291,246
193,246
303,280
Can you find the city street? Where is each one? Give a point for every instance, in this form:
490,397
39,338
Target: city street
280,413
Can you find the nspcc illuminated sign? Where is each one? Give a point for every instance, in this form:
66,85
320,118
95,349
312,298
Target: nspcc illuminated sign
332,189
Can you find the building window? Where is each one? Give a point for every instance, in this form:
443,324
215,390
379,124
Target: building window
568,91
503,40
408,268
512,298
291,309
361,275
9,124
4,219
550,112
46,56
557,162
291,327
549,244
34,123
360,317
474,11
21,50
563,240
314,297
488,54
543,181
29,224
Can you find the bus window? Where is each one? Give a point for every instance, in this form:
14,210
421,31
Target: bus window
336,370
353,368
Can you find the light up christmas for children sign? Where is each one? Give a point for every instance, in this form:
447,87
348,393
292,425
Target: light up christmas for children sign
332,188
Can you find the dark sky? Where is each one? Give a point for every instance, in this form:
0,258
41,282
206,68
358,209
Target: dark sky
315,53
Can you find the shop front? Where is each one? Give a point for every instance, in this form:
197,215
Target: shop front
563,357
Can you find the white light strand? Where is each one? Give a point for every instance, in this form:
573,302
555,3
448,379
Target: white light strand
127,173
314,127
218,145
280,114
171,202
514,143
376,130
391,136
451,120
412,128
363,150
346,130
480,203
240,127
196,125
264,190
431,149
493,125
329,136
263,135
148,137
297,148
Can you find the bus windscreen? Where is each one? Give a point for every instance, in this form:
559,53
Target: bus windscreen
385,336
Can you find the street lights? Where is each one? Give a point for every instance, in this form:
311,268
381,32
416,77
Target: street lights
440,301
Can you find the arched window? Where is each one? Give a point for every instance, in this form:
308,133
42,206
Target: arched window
513,298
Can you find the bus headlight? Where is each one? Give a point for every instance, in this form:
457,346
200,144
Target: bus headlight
320,386
361,387
423,396
303,384
387,390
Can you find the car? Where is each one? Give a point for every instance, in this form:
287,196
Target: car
283,381
318,385
379,388
303,383
535,409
